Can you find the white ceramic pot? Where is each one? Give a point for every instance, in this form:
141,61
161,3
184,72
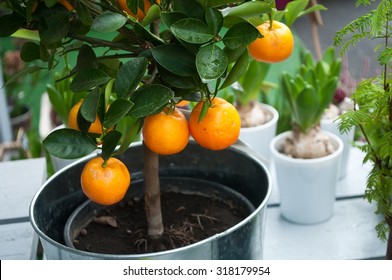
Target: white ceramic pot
259,137
347,139
307,187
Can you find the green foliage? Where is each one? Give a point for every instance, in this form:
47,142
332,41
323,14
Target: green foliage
295,9
125,69
373,110
311,90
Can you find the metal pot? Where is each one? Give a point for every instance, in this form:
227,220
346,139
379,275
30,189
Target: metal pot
237,168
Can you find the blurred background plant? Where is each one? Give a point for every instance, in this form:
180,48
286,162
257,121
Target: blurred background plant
22,96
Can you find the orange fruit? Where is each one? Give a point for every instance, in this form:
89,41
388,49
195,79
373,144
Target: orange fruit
95,127
105,184
276,45
219,129
67,5
140,13
167,132
183,103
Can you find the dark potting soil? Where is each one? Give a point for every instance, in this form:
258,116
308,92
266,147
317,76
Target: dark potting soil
187,218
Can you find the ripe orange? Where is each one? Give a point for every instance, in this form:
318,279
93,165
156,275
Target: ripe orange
166,133
276,45
219,129
105,184
140,13
95,127
183,103
67,5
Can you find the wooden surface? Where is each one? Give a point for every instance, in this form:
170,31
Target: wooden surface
19,180
349,234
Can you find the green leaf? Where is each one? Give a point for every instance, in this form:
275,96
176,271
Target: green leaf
131,132
30,51
204,110
54,28
214,19
192,31
233,54
57,101
217,3
191,8
211,62
88,79
240,35
142,32
327,93
108,22
306,101
294,8
110,142
152,14
84,13
10,23
86,58
129,76
239,68
250,9
168,18
150,100
89,107
230,21
69,144
252,86
176,80
312,9
175,58
117,110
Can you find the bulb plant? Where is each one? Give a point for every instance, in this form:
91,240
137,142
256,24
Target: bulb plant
372,112
130,68
308,94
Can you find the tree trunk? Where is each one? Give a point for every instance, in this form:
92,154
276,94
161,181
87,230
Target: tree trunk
152,194
389,244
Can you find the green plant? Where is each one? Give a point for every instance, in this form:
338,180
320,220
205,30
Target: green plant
311,90
308,94
131,69
61,97
373,110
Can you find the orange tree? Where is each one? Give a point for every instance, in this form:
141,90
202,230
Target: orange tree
129,69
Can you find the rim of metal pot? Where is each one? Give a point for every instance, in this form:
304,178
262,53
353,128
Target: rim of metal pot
239,146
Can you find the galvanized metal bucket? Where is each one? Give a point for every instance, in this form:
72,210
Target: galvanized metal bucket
239,168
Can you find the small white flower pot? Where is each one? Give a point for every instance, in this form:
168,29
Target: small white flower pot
259,137
332,126
307,187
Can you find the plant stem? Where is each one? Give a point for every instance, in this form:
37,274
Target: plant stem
103,43
152,195
386,46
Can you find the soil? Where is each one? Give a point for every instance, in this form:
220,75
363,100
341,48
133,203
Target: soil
188,218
